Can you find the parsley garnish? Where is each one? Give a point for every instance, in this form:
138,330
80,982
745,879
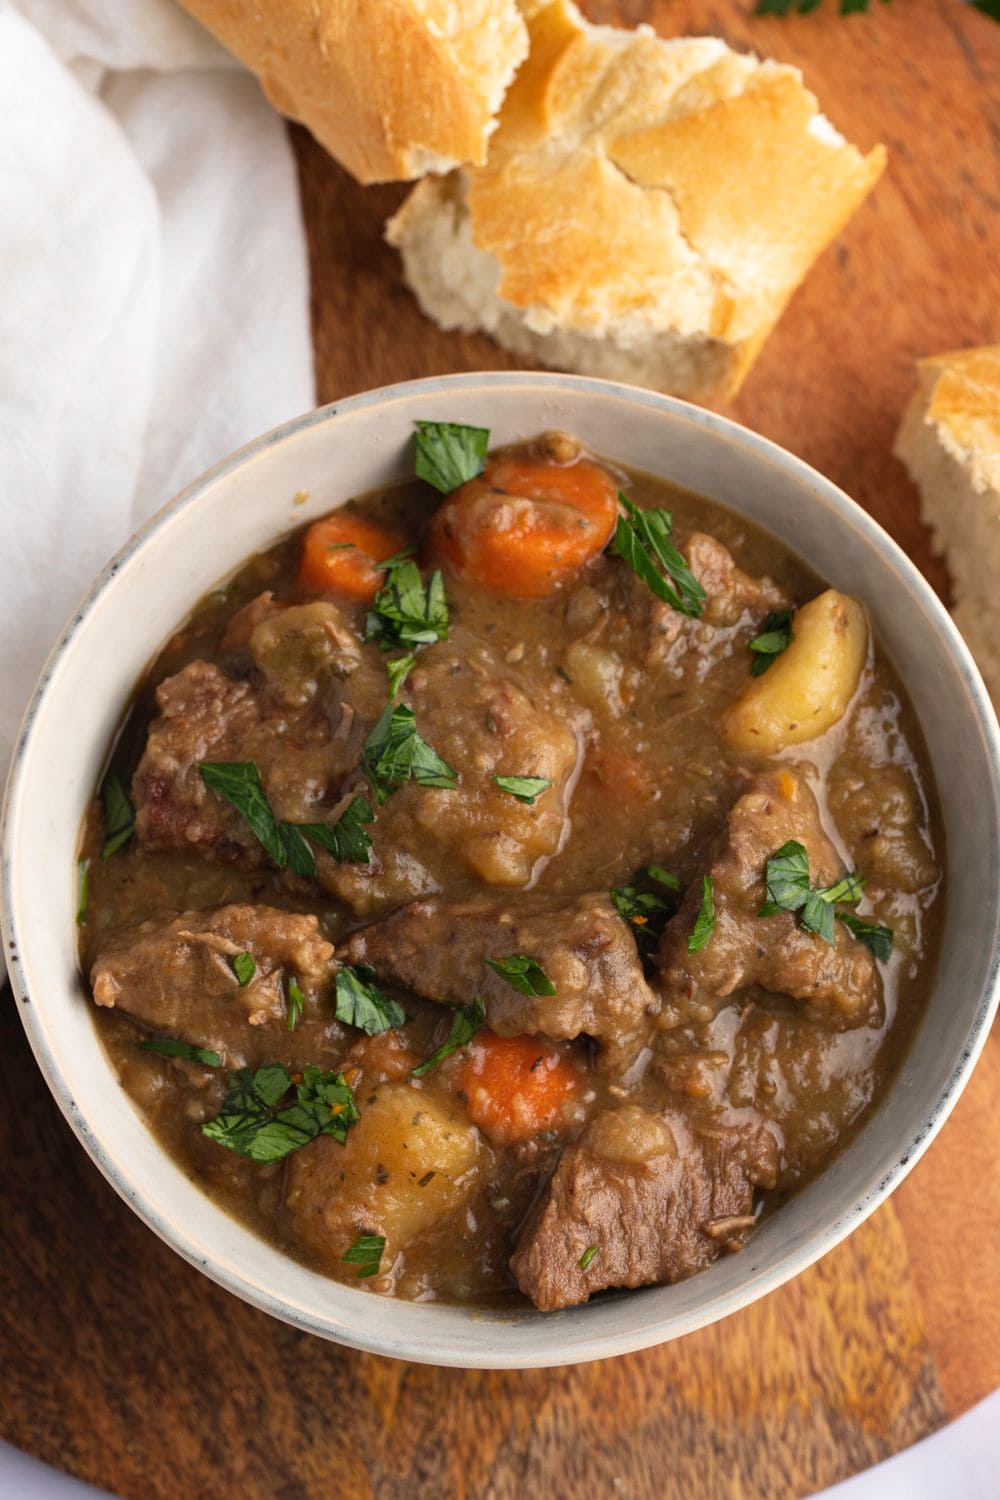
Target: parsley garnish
239,783
775,637
83,885
876,938
642,539
704,924
448,454
362,1003
645,911
523,974
394,752
251,1124
465,1022
663,877
587,1256
398,671
119,817
168,1047
789,889
243,966
296,1000
524,788
404,612
366,1254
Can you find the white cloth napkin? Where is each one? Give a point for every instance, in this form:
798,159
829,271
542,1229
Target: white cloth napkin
153,291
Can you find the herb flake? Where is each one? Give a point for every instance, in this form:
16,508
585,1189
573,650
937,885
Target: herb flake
642,539
775,637
83,890
465,1022
397,671
243,966
405,612
587,1256
239,783
119,816
704,924
394,753
366,1254
524,788
251,1124
789,889
876,938
167,1046
523,974
346,840
448,454
295,1001
361,1003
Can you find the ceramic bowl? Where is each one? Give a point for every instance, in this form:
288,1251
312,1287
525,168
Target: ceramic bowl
239,507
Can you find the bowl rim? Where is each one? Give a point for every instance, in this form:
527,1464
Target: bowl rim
712,426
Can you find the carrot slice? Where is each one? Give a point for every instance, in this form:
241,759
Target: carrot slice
515,1085
339,555
524,526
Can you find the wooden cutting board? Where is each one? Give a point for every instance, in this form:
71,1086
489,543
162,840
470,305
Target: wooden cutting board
125,1366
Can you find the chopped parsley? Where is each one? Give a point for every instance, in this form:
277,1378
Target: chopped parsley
287,843
642,539
243,966
663,877
524,788
119,817
398,670
704,924
405,612
646,911
394,752
361,1003
465,1022
448,454
775,637
252,1124
83,886
523,974
587,1256
366,1254
790,889
295,1001
166,1046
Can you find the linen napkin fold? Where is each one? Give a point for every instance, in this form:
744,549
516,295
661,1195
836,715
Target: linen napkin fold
153,291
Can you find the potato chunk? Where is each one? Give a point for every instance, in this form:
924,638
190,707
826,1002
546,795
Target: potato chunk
808,688
407,1163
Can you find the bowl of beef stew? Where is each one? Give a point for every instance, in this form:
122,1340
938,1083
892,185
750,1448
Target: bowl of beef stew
521,869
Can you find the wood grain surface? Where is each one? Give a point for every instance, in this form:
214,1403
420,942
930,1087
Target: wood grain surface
123,1365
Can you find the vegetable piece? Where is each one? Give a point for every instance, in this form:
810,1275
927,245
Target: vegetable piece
523,974
251,1125
775,637
587,1256
397,672
83,888
811,683
366,1254
361,1003
527,525
877,939
341,553
243,966
524,788
704,924
406,613
642,539
119,815
167,1046
465,1022
296,1001
447,454
394,752
516,1086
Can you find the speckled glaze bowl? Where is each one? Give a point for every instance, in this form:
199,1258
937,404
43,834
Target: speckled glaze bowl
242,505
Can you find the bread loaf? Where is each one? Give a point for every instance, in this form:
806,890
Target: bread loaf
949,439
391,88
646,211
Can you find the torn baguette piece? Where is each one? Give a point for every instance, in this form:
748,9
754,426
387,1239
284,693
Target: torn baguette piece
391,88
647,209
949,440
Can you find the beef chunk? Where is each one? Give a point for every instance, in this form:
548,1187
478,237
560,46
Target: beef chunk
653,1199
734,602
430,839
839,985
206,716
438,949
884,821
175,975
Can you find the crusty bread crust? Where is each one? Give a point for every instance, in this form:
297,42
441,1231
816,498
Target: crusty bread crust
949,439
638,191
391,88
